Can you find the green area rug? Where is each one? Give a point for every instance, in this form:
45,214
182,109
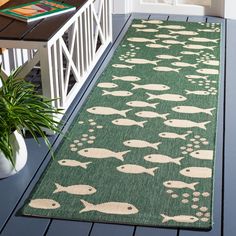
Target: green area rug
141,150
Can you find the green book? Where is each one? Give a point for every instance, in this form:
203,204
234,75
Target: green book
36,10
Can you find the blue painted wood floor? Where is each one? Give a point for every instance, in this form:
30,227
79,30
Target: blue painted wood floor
14,190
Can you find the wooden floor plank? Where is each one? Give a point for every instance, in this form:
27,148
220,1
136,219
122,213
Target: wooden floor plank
111,230
62,227
217,201
230,129
148,231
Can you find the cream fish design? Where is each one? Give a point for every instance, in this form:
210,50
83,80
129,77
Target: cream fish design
184,64
147,30
141,61
167,97
208,71
44,203
73,163
166,36
121,93
114,208
155,22
203,154
126,78
179,184
158,46
128,122
179,218
190,53
211,63
138,26
199,47
174,42
203,40
159,158
169,57
151,87
141,144
192,110
102,153
166,69
151,114
171,135
183,32
136,169
197,172
107,85
174,27
186,124
207,30
141,40
122,66
196,77
107,111
141,104
198,92
80,189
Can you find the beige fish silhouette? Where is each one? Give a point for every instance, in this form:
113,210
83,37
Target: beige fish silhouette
203,154
179,184
128,122
198,92
192,110
208,71
102,153
174,27
115,208
167,97
80,189
107,85
141,104
179,218
158,46
153,87
141,144
141,40
199,47
169,57
159,158
44,203
197,172
184,64
155,22
186,124
151,114
196,77
139,26
207,30
147,30
73,163
122,66
173,135
203,40
190,53
117,93
141,61
126,78
183,32
175,42
107,111
212,62
166,36
136,169
166,69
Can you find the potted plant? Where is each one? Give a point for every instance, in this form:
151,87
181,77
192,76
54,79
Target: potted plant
21,109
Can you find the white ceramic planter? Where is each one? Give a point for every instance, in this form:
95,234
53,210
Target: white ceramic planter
20,155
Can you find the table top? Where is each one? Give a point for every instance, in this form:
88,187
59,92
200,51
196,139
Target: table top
40,30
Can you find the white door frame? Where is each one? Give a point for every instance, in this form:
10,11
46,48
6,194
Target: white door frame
222,8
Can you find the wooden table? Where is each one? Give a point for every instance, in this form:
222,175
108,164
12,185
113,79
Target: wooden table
65,46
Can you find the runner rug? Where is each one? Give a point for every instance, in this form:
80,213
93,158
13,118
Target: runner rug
141,150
